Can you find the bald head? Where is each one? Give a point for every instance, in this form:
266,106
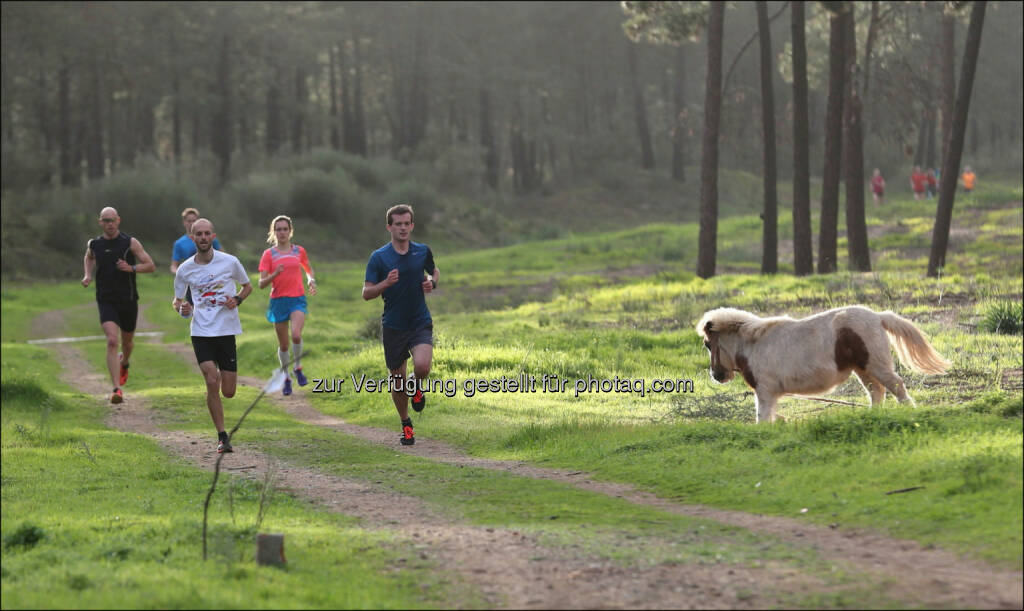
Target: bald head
204,224
203,236
109,221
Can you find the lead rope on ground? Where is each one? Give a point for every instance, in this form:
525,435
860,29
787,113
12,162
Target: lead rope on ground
281,373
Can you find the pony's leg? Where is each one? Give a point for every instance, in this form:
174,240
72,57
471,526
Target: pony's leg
765,404
874,388
892,382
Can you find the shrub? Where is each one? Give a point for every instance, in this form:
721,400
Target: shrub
997,403
370,328
25,536
149,202
363,171
324,198
423,199
1003,317
21,388
260,197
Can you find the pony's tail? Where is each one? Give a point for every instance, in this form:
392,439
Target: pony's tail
912,345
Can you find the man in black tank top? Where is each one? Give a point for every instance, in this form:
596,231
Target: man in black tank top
116,257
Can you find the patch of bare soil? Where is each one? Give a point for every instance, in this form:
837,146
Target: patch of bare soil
1012,379
512,569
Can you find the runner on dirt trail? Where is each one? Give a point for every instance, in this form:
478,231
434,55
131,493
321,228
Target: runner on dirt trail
116,257
212,275
281,265
396,272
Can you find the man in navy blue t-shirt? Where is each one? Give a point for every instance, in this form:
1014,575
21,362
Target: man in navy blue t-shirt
403,272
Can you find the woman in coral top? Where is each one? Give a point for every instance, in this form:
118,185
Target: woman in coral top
281,266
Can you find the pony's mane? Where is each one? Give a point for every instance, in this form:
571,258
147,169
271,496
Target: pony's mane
732,320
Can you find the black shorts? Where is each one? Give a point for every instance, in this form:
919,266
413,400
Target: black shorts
124,313
398,344
220,350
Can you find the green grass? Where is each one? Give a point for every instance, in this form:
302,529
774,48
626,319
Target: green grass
620,304
612,305
95,518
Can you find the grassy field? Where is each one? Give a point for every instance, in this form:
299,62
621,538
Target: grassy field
97,518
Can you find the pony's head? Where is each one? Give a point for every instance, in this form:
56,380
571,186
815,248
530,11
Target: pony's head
724,332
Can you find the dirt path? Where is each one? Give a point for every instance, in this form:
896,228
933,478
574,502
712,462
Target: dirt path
915,572
514,570
509,568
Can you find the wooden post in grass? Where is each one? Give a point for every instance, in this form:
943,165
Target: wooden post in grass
270,549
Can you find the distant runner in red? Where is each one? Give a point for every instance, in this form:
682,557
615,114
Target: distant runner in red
917,182
878,186
281,266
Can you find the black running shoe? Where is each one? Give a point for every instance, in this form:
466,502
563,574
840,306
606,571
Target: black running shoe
408,438
419,401
224,446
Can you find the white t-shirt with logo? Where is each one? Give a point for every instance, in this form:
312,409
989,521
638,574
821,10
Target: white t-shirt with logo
212,284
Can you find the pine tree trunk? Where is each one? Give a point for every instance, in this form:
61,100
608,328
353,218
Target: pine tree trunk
827,233
223,120
94,154
299,111
707,243
929,146
335,131
175,104
869,46
640,110
951,164
679,124
274,129
359,127
43,112
487,140
770,234
803,253
68,174
853,134
948,54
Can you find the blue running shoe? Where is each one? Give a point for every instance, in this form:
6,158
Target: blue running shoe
287,390
300,377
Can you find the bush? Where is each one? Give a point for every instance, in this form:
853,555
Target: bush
25,536
325,198
997,403
149,202
1004,317
360,169
260,197
423,199
365,172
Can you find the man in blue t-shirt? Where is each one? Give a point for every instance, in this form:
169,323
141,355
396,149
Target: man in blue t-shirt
184,247
403,272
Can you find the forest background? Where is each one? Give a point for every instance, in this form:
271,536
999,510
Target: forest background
500,122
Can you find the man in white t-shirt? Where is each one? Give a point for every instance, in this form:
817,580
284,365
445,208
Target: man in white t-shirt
211,275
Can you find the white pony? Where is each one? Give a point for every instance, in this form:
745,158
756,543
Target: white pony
780,355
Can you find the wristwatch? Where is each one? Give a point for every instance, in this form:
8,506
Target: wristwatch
238,300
